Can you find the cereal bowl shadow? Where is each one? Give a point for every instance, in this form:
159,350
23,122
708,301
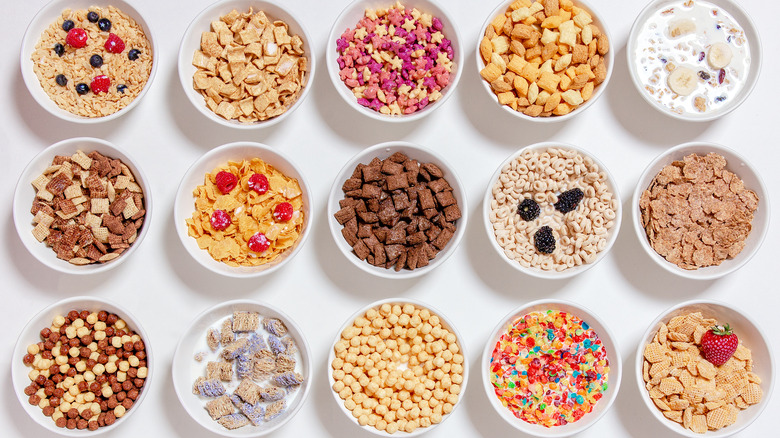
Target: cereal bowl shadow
629,406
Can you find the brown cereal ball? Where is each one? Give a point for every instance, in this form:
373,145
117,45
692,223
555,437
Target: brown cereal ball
71,423
34,400
73,413
28,359
93,425
61,422
54,401
110,418
133,394
84,314
81,424
48,411
102,315
31,389
127,403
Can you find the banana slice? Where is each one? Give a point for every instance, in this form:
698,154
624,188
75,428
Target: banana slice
683,81
719,55
683,26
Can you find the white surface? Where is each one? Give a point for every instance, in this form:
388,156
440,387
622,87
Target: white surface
165,288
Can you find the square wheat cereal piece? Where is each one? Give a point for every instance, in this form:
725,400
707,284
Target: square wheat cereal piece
275,326
742,352
227,335
220,407
233,349
40,232
752,394
661,404
699,424
284,363
272,393
99,206
213,338
245,321
219,370
717,418
263,367
248,391
655,352
40,182
233,421
670,385
274,409
674,415
82,160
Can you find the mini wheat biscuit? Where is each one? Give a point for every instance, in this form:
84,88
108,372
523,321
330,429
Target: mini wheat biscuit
219,370
219,407
245,321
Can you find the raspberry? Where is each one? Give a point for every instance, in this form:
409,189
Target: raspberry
77,37
100,84
114,44
258,242
259,183
220,220
283,212
226,181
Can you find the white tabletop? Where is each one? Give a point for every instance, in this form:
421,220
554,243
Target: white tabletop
165,288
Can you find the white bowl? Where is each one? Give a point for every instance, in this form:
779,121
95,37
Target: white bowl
186,369
349,18
275,10
751,34
445,323
184,205
537,272
382,151
25,194
736,164
751,335
42,20
31,334
613,380
598,90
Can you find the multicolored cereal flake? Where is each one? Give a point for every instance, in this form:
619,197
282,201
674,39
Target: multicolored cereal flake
396,60
549,368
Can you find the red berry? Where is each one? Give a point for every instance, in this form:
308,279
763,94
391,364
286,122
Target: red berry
220,220
114,44
718,344
258,242
77,37
100,84
259,183
226,181
283,212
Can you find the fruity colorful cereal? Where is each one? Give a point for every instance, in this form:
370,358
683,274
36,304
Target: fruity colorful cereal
396,60
549,368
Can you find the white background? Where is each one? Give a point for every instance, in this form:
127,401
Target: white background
165,288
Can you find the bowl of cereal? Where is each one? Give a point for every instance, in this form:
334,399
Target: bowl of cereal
88,61
243,210
242,369
388,73
694,60
40,361
580,352
246,64
418,347
397,210
524,72
700,210
552,210
738,390
82,206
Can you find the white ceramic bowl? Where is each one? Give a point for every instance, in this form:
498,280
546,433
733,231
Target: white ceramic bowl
598,90
751,34
349,18
382,151
25,194
42,20
537,272
445,323
613,378
186,370
275,10
184,205
736,164
750,334
31,334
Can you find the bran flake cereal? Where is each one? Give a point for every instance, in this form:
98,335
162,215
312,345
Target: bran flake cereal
686,387
696,213
127,70
549,368
248,213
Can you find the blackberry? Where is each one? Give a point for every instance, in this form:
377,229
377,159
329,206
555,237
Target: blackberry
96,61
544,240
568,200
67,25
133,54
61,80
92,16
104,24
528,209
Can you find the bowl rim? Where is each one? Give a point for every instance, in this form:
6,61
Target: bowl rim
598,90
184,196
23,223
28,46
336,194
756,63
453,34
604,333
184,63
20,350
676,151
568,272
664,317
446,321
306,358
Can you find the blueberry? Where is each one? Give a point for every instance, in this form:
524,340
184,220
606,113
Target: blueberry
121,88
82,88
96,61
67,25
59,49
133,54
61,80
92,16
104,24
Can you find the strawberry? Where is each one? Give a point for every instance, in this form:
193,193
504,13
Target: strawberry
718,344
